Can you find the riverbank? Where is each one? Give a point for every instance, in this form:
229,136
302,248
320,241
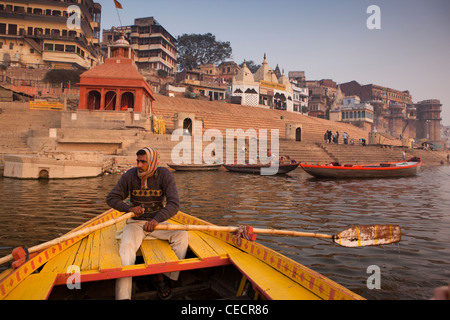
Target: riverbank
32,132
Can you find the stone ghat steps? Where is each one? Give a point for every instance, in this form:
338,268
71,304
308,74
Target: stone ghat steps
222,116
429,157
13,141
298,151
304,152
17,116
357,154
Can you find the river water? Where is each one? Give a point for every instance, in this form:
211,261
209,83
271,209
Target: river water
35,211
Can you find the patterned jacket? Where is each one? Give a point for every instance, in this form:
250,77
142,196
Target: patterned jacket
161,185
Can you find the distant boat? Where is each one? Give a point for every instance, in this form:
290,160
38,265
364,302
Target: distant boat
256,168
195,167
380,170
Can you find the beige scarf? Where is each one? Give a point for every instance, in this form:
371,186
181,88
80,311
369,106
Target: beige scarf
153,161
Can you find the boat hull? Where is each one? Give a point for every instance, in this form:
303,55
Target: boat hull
256,169
222,257
388,170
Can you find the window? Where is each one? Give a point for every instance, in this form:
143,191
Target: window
12,29
59,47
48,46
70,48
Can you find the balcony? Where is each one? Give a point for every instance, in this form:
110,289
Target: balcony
65,57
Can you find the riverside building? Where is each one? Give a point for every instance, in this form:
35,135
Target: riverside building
154,46
262,89
37,34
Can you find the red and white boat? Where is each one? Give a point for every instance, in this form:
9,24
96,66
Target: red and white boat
379,170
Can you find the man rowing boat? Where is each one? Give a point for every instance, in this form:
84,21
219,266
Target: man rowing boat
147,185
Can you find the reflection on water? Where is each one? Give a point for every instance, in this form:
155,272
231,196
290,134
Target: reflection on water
33,211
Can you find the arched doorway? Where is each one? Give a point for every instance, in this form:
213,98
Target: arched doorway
110,100
93,101
127,101
187,126
44,174
298,134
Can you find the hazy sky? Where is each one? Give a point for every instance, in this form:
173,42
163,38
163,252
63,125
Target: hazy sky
328,39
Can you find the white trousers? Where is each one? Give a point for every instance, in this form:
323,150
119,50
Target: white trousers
132,237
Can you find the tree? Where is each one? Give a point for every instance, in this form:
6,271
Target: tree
58,76
251,65
196,49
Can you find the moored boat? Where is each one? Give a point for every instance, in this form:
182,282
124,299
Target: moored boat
218,265
256,168
195,167
379,170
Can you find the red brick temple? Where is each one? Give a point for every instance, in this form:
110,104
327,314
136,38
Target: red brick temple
116,84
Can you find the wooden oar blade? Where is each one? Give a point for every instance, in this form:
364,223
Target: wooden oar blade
368,235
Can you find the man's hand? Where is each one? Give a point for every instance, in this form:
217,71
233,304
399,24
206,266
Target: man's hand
138,211
150,226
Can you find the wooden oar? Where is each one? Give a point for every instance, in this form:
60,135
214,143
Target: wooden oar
69,236
356,236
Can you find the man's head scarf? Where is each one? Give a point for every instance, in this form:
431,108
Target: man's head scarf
153,161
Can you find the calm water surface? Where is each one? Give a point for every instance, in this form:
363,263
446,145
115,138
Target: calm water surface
34,211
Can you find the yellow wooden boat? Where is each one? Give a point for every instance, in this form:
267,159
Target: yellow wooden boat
218,266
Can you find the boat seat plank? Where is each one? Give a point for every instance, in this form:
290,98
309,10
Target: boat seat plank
62,261
202,248
85,262
157,252
34,287
219,246
92,252
80,253
109,246
269,281
95,251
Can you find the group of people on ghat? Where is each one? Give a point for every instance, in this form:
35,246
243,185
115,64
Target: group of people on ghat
331,137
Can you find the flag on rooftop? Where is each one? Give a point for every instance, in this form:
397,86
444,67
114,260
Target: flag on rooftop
118,5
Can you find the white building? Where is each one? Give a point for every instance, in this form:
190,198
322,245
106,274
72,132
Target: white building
245,91
354,112
300,97
262,89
